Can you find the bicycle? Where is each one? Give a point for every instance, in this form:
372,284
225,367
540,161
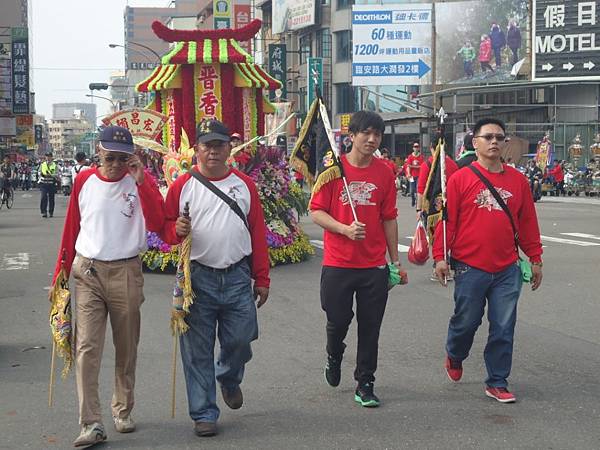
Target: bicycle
7,197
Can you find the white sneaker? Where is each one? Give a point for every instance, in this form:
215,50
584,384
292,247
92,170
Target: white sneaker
126,425
90,434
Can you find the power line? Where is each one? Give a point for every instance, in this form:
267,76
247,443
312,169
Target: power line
77,68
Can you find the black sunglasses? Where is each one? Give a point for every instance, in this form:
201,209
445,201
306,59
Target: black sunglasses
488,137
112,158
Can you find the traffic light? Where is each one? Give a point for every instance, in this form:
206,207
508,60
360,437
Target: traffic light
98,86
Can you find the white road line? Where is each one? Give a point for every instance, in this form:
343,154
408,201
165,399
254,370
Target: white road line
16,261
582,235
570,241
319,244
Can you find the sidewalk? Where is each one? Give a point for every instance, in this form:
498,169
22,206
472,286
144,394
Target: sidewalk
573,200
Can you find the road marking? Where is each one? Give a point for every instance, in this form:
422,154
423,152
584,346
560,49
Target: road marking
17,261
319,244
582,235
570,241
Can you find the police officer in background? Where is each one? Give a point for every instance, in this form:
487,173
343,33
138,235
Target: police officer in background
47,180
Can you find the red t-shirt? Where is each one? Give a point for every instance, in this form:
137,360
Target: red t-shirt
416,161
391,165
478,231
451,167
558,174
373,192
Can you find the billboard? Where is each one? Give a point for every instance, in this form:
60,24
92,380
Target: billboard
241,18
480,42
25,134
5,85
8,126
222,14
566,40
391,44
290,15
20,71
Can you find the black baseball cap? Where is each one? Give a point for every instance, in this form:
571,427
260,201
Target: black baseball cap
212,130
116,139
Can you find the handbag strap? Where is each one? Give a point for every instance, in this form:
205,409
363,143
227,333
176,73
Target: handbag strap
222,195
499,199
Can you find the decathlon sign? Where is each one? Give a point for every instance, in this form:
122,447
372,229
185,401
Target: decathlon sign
566,38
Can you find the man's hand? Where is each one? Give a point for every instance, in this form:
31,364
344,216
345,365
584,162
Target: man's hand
183,226
262,293
536,279
136,169
442,271
403,275
355,231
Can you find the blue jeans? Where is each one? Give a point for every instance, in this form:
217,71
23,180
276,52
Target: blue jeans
413,191
501,290
225,299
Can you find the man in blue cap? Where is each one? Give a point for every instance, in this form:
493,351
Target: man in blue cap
109,211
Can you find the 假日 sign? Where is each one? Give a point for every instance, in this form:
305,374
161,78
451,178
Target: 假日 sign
566,39
391,44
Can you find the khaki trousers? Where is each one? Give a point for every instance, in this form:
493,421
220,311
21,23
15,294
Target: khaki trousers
113,288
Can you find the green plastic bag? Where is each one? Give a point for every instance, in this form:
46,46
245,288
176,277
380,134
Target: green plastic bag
526,272
394,276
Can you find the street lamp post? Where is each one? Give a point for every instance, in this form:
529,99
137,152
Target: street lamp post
92,96
139,45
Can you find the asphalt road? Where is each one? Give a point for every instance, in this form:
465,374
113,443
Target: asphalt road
287,403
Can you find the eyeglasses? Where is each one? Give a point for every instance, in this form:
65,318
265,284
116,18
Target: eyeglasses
113,158
488,137
207,146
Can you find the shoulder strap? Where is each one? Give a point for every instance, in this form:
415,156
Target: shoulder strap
499,199
219,193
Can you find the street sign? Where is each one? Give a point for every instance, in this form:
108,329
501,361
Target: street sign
391,44
278,68
566,40
344,122
143,123
20,71
315,73
222,14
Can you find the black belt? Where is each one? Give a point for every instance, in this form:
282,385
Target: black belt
223,270
112,260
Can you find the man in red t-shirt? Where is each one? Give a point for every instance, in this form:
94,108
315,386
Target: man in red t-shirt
354,259
481,243
414,162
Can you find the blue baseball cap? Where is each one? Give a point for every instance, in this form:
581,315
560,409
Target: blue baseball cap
116,139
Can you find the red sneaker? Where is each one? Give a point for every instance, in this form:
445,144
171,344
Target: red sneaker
454,369
501,394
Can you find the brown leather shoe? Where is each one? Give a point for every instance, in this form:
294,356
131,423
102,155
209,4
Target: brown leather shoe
205,429
233,397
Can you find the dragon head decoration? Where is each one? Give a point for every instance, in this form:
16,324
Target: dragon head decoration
180,162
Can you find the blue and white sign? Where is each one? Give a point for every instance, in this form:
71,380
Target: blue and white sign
391,44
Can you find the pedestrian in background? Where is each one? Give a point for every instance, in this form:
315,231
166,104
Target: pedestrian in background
467,52
513,40
354,260
485,53
111,209
48,181
498,40
80,164
483,245
413,163
229,250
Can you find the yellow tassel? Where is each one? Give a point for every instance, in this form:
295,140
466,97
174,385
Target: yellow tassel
432,221
325,177
184,256
178,325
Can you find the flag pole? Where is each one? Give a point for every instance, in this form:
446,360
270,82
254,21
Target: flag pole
441,120
327,126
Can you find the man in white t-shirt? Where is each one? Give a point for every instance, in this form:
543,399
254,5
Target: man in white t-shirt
79,165
229,250
109,211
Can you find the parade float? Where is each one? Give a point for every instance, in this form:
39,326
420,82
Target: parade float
207,75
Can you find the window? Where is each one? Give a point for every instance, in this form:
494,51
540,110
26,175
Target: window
302,100
343,4
305,48
324,43
343,46
346,98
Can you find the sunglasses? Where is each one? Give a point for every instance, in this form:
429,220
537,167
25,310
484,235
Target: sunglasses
112,158
488,137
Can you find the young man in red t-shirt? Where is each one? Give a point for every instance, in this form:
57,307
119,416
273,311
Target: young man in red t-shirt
354,261
481,242
414,162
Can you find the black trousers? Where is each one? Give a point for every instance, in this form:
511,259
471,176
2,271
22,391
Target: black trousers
47,201
338,288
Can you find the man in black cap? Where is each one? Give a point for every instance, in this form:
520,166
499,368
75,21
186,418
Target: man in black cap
229,250
109,211
48,179
468,154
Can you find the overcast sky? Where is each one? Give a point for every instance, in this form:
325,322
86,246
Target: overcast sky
71,38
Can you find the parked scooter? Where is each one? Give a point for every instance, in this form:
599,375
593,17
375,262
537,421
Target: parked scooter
66,182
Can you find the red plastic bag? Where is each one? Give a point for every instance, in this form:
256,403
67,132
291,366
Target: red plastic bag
418,253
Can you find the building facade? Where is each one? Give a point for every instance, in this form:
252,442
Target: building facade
65,136
67,111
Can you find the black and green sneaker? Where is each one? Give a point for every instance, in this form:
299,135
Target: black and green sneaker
333,371
365,396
